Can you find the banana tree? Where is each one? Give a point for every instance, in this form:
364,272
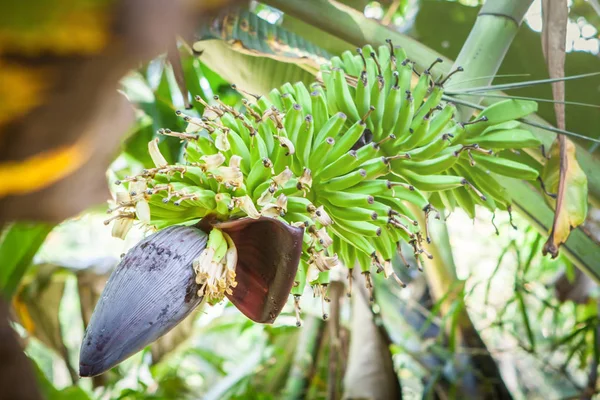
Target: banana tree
329,166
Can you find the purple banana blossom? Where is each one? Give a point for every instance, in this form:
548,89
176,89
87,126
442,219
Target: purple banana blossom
154,286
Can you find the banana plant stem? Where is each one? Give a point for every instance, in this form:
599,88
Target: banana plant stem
482,54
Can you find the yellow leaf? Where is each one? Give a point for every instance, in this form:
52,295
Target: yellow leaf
68,27
41,170
21,89
573,211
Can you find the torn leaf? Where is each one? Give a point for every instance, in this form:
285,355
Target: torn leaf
573,210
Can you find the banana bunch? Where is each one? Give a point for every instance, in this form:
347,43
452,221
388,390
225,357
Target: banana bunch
348,159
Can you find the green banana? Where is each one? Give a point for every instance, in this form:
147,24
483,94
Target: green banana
506,167
345,181
432,183
345,101
345,199
506,139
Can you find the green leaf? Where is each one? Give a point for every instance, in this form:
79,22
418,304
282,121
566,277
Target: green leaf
526,322
136,144
250,34
309,32
260,55
37,305
18,245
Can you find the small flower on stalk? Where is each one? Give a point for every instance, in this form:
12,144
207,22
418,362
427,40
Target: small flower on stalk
142,211
123,198
305,181
312,274
212,161
320,215
388,270
137,191
265,198
122,226
228,175
283,177
324,237
277,209
245,204
215,267
235,161
287,143
125,217
323,262
221,142
138,188
157,157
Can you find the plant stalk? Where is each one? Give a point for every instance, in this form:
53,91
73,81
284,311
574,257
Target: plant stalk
483,52
304,359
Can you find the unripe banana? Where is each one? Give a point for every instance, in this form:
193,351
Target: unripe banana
358,241
440,123
402,127
420,90
266,131
376,167
431,103
330,95
489,185
372,187
331,128
340,166
427,167
303,97
506,167
359,227
432,149
432,183
261,171
392,105
275,98
320,153
345,199
300,279
347,140
385,245
418,131
345,101
506,139
305,138
345,181
352,214
500,112
350,65
288,101
299,205
405,75
362,96
319,109
293,121
464,200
